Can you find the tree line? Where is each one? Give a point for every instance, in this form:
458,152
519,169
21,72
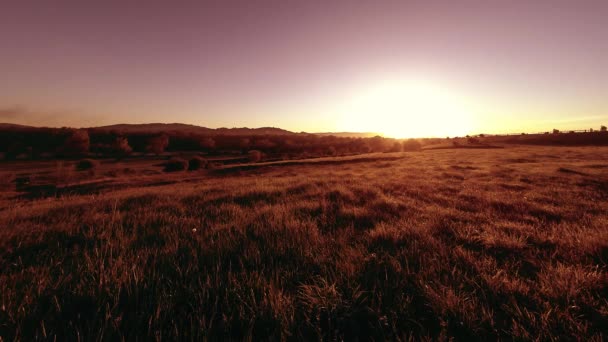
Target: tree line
67,142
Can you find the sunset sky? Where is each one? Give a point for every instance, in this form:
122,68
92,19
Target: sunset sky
401,68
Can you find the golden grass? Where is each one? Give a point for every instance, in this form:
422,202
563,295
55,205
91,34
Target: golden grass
464,244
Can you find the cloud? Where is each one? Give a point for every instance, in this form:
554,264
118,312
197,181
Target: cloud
12,113
57,118
583,119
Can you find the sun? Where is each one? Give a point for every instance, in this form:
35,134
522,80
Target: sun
406,109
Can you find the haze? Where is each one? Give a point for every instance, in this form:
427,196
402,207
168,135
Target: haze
398,68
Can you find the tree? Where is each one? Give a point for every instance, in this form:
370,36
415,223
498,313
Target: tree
397,147
555,131
121,146
412,145
331,151
377,144
473,140
244,143
77,143
603,129
263,144
254,156
207,143
157,144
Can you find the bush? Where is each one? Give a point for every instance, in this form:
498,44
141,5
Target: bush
86,164
157,144
78,143
176,164
121,146
254,156
412,145
197,163
213,165
397,147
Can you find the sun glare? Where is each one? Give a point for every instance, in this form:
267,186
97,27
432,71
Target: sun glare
406,110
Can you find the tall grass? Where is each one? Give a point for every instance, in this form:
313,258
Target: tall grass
470,245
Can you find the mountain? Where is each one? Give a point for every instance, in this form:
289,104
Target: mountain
178,127
14,126
349,134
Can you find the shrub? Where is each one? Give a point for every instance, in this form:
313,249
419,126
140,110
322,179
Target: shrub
411,145
197,163
121,146
157,144
397,147
254,156
77,143
176,164
331,151
86,164
213,165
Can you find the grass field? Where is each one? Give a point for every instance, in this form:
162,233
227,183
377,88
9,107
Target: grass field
471,244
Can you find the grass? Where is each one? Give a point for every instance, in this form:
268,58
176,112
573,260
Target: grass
464,244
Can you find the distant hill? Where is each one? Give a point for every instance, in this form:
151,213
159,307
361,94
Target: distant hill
13,126
169,128
178,127
349,134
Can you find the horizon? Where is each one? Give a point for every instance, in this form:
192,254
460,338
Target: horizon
397,69
473,134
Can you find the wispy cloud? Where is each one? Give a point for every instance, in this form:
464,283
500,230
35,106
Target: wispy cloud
19,114
12,113
592,118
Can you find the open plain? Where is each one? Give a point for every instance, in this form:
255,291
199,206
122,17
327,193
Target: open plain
451,243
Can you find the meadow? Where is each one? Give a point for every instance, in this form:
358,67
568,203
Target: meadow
465,244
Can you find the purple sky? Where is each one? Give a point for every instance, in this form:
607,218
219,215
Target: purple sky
520,65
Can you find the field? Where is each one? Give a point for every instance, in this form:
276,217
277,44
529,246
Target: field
470,244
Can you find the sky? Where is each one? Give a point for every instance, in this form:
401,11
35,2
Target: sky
400,68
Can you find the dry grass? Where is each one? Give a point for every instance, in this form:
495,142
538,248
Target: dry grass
465,244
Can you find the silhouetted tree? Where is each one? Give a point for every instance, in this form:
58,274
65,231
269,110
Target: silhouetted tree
412,145
86,164
157,144
254,156
397,147
603,129
244,143
263,144
196,163
331,151
121,146
555,131
377,144
207,143
77,143
473,140
176,164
